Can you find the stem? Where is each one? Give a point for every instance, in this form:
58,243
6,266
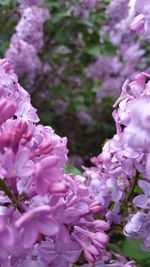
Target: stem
8,192
133,187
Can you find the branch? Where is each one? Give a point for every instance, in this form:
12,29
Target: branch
131,191
8,192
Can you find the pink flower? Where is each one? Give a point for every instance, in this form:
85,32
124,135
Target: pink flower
17,165
26,111
35,222
143,200
47,173
138,24
7,110
60,254
7,235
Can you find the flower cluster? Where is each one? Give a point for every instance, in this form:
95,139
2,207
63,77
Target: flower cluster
27,3
141,22
118,261
108,72
81,8
125,163
46,215
28,39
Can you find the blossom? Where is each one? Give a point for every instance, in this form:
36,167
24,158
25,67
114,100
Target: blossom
28,39
59,253
7,235
48,172
143,201
141,21
18,165
34,222
7,110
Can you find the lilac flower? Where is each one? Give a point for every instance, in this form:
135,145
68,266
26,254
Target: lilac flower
60,106
117,10
16,166
7,235
28,39
47,175
60,254
138,23
139,124
7,110
50,217
76,160
29,28
84,118
113,215
143,201
26,111
32,263
34,222
27,3
141,21
83,8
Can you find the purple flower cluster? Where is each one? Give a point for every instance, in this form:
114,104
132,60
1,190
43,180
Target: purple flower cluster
46,215
26,3
109,72
119,261
141,22
81,8
28,39
125,162
49,217
112,71
117,10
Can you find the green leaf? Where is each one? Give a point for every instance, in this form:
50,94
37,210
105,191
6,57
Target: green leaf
87,23
114,247
131,248
60,15
5,2
94,50
61,36
51,3
109,49
137,190
72,169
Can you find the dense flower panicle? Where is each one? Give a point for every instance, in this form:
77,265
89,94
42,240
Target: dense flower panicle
141,22
29,28
109,72
117,261
126,153
28,39
26,3
103,66
124,159
137,227
117,10
82,8
27,62
143,200
46,216
67,216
